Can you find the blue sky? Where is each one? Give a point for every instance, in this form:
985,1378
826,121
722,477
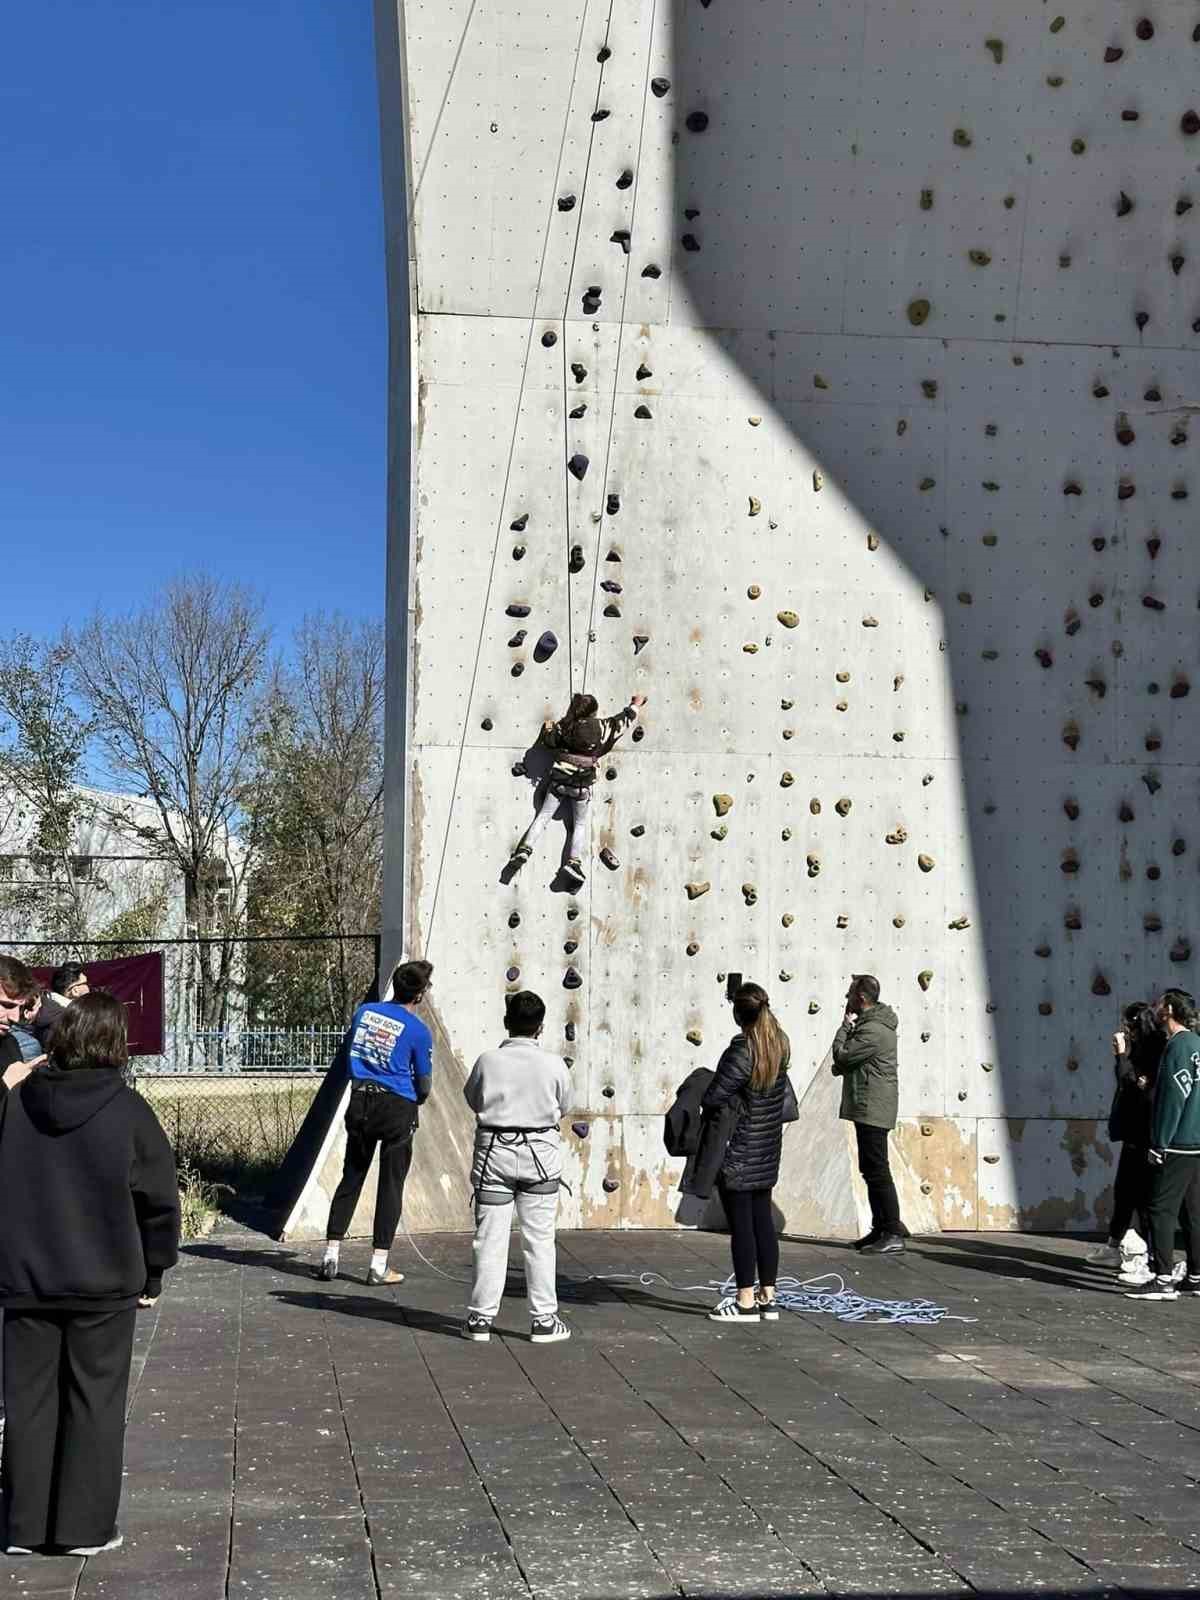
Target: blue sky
192,337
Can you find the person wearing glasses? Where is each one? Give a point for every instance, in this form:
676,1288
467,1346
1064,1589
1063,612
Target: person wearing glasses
391,1073
68,982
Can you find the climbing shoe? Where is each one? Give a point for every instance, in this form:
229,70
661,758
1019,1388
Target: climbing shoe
574,870
520,856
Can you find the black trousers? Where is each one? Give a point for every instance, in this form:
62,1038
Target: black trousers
752,1237
66,1378
1132,1188
877,1175
1176,1187
389,1121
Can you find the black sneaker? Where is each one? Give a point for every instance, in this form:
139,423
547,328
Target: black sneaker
1156,1289
868,1238
477,1328
1188,1285
887,1244
728,1310
768,1310
549,1330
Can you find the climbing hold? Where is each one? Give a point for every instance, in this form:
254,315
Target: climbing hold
517,640
959,925
1152,923
520,523
926,484
813,863
612,506
814,807
577,466
1176,264
694,1036
872,541
1180,689
719,833
785,977
1144,29
996,46
640,641
611,586
979,258
612,609
1124,204
926,199
924,979
576,561
918,312
1152,603
643,413
1130,115
1179,492
789,619
652,271
750,649
571,979
755,505
1045,1008
659,87
897,836
929,388
591,301
814,1007
1142,318
1073,920
609,859
749,894
1071,487
1152,782
1055,80
566,202
695,890
962,138
1058,24
898,922
512,974
625,180
753,592
722,804
1071,807
926,863
690,242
842,807
1183,205
1113,54
1125,811
518,608
1078,146
819,382
581,1129
787,919
754,421
696,121
601,115
487,724
1180,951
693,949
611,1185
603,54
1178,846
643,372
1070,736
818,481
578,371
620,236
870,622
1071,623
1125,434
608,1091
549,339
1101,985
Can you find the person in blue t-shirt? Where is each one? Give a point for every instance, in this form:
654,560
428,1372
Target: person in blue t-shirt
391,1073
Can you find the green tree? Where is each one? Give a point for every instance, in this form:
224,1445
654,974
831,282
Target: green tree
319,818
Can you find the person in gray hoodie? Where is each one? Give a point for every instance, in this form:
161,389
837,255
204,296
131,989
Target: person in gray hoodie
519,1094
864,1057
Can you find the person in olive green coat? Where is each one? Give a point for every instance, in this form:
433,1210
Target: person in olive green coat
864,1058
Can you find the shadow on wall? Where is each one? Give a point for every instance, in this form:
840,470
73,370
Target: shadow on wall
868,230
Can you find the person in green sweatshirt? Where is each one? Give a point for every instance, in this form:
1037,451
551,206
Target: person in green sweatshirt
864,1058
1175,1150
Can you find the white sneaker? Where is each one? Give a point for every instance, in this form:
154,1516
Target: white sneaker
549,1330
1137,1272
18,1550
115,1543
1179,1271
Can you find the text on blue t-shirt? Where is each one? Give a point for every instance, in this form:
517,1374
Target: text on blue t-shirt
392,1047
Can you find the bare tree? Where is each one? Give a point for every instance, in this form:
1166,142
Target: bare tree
42,754
320,866
176,697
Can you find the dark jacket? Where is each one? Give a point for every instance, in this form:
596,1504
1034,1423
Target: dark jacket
864,1057
10,1053
752,1155
1129,1118
1176,1116
89,1203
581,745
700,1136
47,1015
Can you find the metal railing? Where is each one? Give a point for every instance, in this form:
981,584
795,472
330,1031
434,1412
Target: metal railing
216,1052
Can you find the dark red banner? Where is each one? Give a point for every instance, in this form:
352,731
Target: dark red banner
137,981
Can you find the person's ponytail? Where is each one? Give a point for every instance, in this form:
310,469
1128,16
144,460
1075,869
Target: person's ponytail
769,1045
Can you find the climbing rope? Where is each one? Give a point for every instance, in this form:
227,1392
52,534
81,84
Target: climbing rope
792,1294
806,1294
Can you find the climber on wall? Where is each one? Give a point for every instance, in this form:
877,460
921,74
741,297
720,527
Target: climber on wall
579,740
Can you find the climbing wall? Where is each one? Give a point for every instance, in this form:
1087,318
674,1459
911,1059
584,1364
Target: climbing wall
826,373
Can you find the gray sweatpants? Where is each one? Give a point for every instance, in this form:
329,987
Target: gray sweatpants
518,1172
576,810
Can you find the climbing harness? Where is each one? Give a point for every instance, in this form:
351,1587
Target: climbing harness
503,1187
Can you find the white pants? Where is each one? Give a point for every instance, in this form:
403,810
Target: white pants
501,1174
576,810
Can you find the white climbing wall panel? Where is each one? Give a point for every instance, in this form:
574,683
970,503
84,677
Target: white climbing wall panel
872,331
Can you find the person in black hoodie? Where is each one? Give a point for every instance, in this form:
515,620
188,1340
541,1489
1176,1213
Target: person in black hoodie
1137,1050
752,1074
89,1222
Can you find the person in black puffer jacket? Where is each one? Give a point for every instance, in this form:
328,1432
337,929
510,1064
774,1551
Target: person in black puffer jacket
1137,1050
753,1074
